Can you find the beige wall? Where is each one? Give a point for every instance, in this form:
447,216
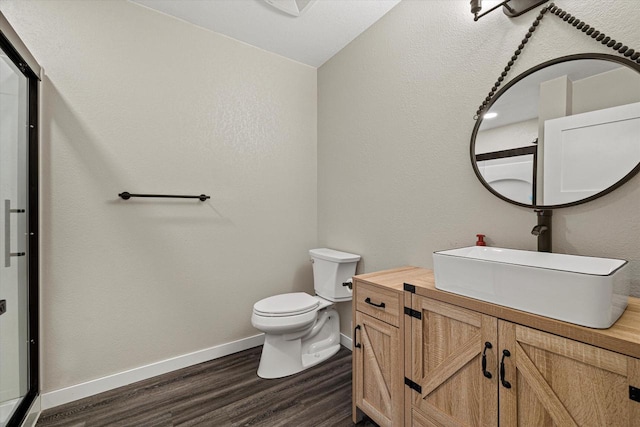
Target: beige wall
605,90
395,111
137,101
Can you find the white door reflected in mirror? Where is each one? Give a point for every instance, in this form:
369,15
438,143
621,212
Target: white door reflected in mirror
585,153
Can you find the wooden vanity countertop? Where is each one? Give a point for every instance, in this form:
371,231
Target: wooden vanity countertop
623,337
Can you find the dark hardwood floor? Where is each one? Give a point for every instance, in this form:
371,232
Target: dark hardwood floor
222,392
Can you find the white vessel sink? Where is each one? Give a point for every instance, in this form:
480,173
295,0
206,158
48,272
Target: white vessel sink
586,291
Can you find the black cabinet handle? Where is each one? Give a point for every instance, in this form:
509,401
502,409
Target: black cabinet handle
505,383
355,337
368,301
486,373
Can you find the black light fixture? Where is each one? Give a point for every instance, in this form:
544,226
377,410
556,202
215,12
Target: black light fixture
476,6
511,8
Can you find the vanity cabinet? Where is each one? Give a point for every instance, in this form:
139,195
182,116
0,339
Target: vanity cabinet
529,377
378,348
558,381
446,366
465,362
378,370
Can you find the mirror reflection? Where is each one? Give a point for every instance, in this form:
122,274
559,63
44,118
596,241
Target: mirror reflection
561,133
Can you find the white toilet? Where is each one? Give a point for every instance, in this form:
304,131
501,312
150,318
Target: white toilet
303,330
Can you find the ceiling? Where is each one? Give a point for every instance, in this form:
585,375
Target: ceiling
321,31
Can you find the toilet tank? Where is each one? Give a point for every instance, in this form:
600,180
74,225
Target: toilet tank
331,269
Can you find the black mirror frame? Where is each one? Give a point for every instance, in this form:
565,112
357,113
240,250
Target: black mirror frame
623,61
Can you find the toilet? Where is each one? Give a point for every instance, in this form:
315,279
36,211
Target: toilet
302,330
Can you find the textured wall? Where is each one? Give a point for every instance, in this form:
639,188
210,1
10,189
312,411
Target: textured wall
395,111
137,101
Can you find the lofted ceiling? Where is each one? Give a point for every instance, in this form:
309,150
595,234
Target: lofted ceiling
322,29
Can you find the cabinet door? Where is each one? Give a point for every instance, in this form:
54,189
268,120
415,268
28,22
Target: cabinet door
559,382
447,344
378,368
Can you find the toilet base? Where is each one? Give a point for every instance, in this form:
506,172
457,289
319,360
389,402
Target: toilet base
284,355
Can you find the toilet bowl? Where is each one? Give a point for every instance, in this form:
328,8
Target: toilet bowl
302,330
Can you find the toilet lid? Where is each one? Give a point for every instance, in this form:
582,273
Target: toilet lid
286,304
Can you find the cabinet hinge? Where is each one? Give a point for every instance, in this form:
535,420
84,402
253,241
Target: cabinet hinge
412,385
413,313
634,393
410,288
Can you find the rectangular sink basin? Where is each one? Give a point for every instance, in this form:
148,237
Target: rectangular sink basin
583,290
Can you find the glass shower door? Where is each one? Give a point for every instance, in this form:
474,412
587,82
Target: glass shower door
14,289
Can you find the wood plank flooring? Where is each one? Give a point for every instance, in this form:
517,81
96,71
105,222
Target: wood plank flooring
221,392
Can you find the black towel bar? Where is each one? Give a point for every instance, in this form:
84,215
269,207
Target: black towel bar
126,196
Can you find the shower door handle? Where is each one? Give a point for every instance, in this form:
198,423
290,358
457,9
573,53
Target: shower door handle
7,233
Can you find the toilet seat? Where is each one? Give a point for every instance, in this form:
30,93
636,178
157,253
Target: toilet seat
285,305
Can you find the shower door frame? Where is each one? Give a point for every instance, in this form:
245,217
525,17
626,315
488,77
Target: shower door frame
33,80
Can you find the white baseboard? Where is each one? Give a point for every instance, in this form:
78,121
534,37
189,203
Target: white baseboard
100,385
346,342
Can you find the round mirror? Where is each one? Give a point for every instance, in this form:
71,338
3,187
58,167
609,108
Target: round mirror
562,133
